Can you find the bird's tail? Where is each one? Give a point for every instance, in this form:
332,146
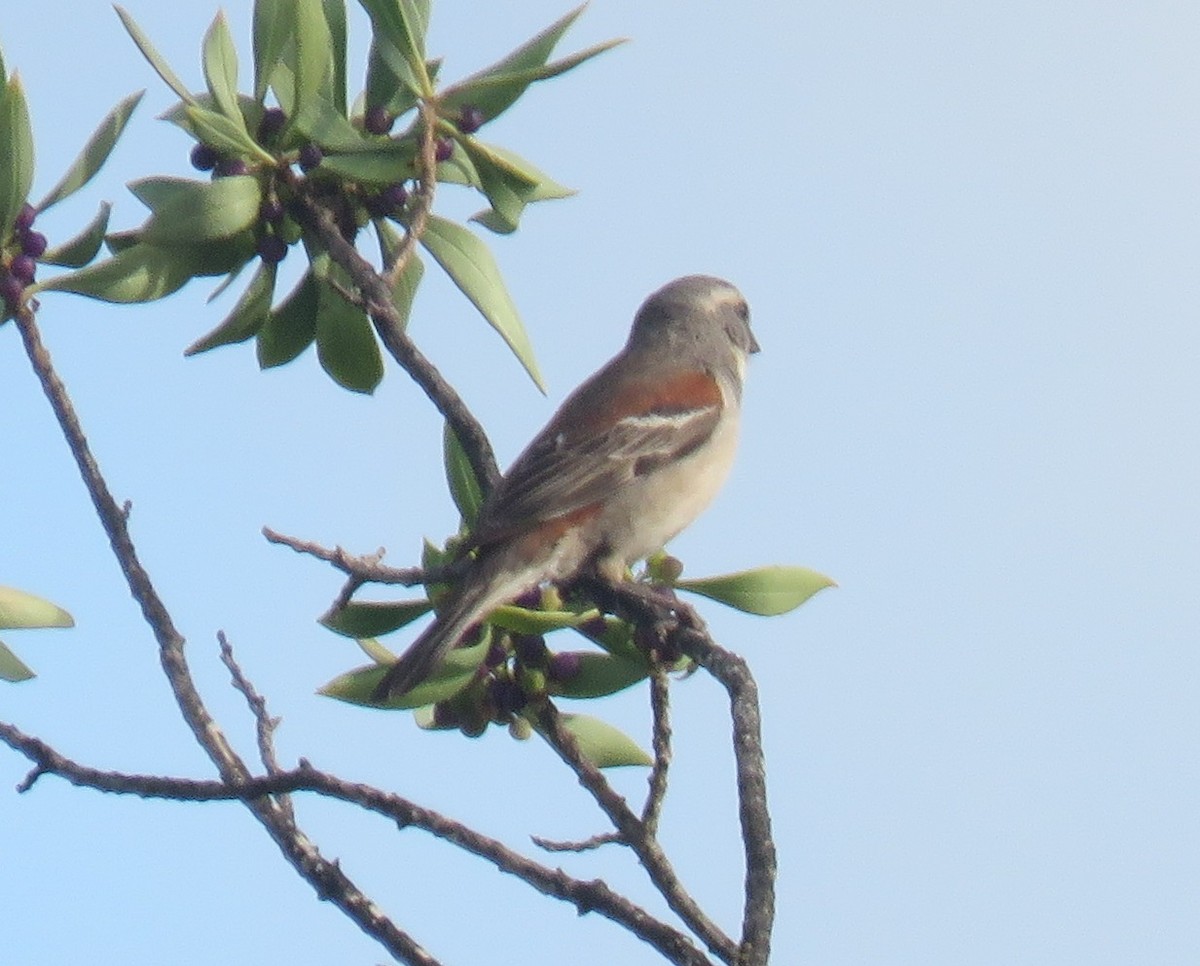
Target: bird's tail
483,590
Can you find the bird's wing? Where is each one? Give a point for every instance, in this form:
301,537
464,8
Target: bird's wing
613,429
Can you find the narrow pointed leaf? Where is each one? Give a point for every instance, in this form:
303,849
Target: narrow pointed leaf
403,24
83,247
469,263
335,19
247,316
376,651
272,29
16,154
465,489
602,744
495,93
12,668
346,345
199,211
291,327
219,57
456,672
94,153
139,273
598,675
21,609
767,591
314,63
382,164
371,619
223,135
522,620
155,59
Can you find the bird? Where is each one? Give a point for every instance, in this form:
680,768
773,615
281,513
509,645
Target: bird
627,461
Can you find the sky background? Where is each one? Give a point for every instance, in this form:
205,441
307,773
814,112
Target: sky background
970,238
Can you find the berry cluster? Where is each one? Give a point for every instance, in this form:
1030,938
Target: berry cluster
19,264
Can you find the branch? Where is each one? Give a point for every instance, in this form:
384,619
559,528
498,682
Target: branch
586,896
376,297
635,835
679,623
324,876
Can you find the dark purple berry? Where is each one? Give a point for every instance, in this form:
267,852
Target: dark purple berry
443,150
271,125
271,211
10,290
596,627
33,243
506,696
565,665
530,648
230,167
204,158
470,119
272,249
378,120
23,268
25,218
389,201
310,157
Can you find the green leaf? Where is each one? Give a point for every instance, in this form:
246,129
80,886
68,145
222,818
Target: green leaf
247,316
456,672
510,183
466,259
494,89
83,247
403,24
314,63
335,17
346,345
219,57
376,651
602,744
291,327
390,81
405,289
383,163
272,31
522,620
139,273
767,591
189,212
599,675
464,485
16,154
12,668
20,609
223,135
161,67
372,619
94,153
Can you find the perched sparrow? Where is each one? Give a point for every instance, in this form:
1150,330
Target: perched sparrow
629,460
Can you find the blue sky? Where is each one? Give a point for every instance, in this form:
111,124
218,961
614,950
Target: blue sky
970,237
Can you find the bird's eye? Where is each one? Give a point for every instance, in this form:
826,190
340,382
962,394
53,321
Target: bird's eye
743,311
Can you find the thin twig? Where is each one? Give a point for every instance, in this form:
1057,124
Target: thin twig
633,833
423,199
324,876
684,626
377,298
586,896
366,569
264,724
